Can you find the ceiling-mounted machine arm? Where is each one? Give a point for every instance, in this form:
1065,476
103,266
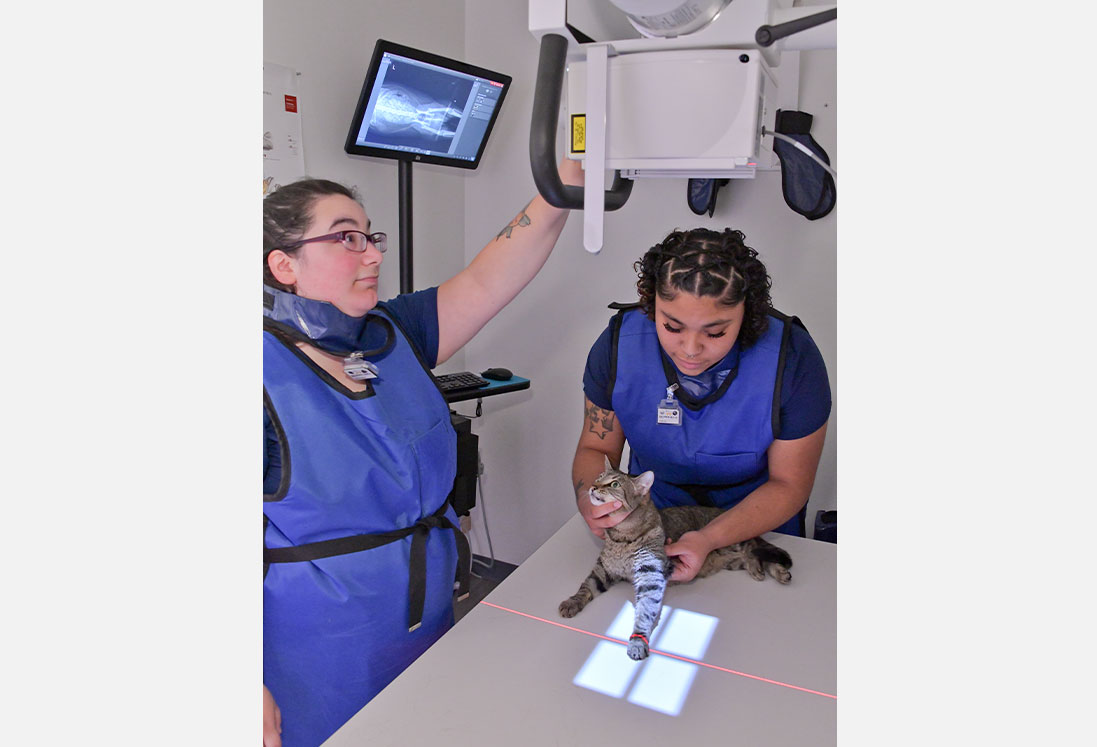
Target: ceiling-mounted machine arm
767,35
542,133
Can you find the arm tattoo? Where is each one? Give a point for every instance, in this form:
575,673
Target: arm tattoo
521,220
577,486
599,421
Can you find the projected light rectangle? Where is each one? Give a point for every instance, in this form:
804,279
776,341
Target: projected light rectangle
608,670
687,634
661,683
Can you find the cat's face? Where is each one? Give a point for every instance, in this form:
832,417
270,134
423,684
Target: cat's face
614,485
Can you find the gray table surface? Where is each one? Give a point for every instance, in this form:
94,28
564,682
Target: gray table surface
505,674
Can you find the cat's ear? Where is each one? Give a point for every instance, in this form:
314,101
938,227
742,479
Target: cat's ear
608,465
644,481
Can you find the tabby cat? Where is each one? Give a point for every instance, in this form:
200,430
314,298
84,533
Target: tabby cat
634,551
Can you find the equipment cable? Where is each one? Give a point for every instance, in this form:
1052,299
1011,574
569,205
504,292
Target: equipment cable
803,148
484,512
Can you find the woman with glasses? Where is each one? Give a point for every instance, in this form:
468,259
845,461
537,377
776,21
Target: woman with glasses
361,549
723,397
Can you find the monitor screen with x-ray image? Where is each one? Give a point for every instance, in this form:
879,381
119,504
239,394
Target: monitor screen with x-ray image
418,106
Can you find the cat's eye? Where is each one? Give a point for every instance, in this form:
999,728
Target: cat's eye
615,484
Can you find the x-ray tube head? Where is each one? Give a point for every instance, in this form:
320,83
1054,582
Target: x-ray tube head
665,18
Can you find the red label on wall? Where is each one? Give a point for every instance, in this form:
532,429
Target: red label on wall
291,103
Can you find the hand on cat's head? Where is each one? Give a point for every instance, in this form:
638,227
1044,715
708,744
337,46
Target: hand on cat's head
615,485
613,496
601,517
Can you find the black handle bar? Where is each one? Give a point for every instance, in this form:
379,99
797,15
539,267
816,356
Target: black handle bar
767,35
542,133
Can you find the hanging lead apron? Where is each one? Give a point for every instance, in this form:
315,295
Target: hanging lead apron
359,579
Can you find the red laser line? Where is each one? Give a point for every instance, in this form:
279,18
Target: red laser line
664,653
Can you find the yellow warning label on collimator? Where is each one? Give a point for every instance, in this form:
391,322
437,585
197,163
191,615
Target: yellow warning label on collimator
578,133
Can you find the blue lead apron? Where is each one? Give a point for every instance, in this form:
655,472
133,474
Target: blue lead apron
357,584
717,456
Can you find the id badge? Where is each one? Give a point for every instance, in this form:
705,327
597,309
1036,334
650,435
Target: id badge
670,412
356,367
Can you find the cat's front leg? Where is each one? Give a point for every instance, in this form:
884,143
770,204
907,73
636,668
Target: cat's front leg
593,585
649,580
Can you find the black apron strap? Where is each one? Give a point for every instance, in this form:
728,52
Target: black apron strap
700,493
332,547
417,570
417,577
417,567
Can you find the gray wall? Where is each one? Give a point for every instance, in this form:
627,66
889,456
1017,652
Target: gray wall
527,439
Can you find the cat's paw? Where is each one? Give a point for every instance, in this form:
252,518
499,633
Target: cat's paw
637,649
780,573
570,607
756,572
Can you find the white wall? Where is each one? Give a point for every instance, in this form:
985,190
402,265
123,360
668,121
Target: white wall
527,439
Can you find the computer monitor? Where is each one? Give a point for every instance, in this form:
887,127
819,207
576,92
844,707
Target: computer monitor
418,106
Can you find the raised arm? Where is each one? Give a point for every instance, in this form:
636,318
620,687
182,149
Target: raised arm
601,438
792,467
468,300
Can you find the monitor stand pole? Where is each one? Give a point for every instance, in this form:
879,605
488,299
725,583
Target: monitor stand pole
405,225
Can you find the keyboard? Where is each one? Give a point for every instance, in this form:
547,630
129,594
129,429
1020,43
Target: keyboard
459,382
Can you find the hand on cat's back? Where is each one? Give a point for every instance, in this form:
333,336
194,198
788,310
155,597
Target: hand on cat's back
687,554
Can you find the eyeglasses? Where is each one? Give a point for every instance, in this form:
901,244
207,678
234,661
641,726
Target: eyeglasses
353,241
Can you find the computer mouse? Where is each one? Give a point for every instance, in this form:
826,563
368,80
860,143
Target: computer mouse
498,374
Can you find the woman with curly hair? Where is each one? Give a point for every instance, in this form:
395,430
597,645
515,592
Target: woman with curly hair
722,396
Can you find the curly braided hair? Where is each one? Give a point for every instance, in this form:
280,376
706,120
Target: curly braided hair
287,212
707,263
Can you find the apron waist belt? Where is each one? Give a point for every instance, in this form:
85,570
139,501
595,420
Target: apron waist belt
417,577
700,493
